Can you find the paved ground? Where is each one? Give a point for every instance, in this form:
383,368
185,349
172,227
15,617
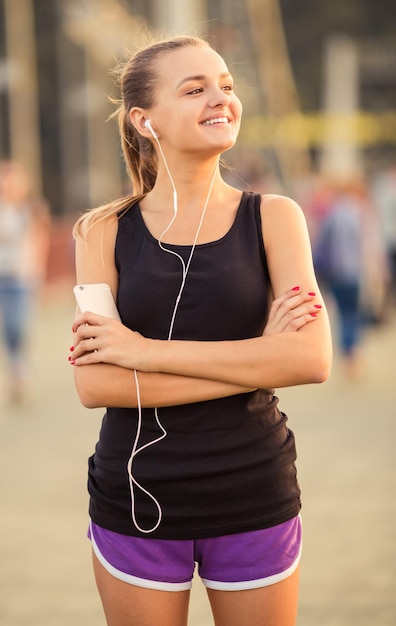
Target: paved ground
345,434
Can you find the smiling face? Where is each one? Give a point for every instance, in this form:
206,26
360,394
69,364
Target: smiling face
196,108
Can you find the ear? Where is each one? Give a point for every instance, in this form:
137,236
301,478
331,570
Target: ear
138,117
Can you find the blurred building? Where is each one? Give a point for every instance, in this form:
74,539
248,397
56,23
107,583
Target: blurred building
55,80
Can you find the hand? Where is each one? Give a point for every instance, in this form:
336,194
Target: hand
99,339
292,311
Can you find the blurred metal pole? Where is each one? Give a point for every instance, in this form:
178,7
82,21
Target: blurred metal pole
278,85
340,156
181,17
22,88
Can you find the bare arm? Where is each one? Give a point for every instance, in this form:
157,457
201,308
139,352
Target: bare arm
102,384
276,359
288,313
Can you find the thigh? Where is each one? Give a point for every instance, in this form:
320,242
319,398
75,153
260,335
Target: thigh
128,605
274,605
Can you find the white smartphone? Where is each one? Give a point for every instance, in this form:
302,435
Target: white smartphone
97,298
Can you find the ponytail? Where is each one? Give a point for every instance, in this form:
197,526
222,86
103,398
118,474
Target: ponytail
138,78
139,154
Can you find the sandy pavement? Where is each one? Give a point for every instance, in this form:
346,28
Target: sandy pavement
347,469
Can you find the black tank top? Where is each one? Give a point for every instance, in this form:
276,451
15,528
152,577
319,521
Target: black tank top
225,465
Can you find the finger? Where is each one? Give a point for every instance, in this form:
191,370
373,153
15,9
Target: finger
86,358
294,318
299,322
87,345
287,303
293,297
90,319
85,342
278,302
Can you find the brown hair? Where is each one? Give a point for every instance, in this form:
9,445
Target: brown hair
138,79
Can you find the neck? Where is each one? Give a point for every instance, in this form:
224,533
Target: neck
191,183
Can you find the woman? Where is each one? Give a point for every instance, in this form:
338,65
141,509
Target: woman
24,245
194,461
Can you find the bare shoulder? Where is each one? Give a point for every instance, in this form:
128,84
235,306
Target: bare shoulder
281,213
93,230
282,221
275,205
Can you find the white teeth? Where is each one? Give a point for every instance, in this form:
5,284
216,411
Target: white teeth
216,120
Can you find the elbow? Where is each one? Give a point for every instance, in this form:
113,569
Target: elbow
320,368
320,375
318,359
88,399
87,391
88,402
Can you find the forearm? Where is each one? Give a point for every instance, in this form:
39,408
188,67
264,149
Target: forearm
279,360
101,385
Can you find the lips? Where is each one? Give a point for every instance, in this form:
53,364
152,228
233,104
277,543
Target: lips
216,120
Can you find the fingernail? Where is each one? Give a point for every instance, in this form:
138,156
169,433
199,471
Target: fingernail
311,293
71,349
295,288
73,362
314,314
317,306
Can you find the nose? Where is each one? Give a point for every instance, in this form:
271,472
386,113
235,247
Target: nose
218,97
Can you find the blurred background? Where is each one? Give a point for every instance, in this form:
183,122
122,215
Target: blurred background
318,85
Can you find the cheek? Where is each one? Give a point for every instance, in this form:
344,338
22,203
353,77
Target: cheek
237,108
174,123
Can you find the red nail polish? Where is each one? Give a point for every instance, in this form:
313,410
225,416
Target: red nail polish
73,362
71,349
311,293
313,314
295,288
317,306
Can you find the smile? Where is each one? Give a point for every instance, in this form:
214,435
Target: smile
216,120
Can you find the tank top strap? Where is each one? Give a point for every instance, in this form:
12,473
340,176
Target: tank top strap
251,214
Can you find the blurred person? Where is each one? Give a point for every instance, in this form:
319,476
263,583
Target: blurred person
219,305
341,245
24,242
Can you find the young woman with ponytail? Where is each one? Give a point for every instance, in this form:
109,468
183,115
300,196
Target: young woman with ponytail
219,305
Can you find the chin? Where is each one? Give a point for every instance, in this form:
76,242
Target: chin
227,145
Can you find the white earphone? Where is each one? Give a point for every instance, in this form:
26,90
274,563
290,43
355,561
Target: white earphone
147,125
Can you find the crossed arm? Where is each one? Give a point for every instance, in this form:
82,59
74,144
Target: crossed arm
295,347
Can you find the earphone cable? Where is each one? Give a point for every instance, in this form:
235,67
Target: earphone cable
185,268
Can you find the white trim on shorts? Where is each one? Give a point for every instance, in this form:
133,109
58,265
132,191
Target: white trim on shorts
185,586
253,584
135,580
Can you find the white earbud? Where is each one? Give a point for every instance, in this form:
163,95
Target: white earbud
147,125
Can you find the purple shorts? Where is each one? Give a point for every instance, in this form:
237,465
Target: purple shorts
230,563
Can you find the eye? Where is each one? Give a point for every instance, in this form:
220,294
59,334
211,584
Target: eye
195,91
228,88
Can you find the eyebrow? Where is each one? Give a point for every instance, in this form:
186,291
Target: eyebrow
200,77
